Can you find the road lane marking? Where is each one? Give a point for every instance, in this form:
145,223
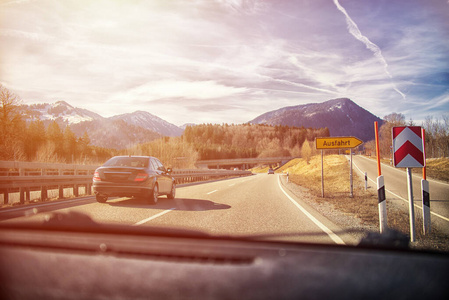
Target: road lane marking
154,217
212,192
232,184
403,199
323,227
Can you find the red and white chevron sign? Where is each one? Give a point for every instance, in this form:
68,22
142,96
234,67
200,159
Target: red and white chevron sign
408,147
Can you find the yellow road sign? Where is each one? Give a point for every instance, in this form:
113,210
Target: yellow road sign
341,142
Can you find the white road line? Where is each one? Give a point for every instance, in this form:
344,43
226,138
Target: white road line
232,184
403,199
154,217
212,192
329,232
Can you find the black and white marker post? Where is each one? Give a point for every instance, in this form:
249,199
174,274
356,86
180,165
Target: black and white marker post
380,187
425,193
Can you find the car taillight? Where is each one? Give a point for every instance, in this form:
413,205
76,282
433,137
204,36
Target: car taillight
141,177
96,177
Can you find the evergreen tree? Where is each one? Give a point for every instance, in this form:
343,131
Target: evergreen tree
69,145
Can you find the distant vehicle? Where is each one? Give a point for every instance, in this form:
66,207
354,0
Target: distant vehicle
270,171
133,176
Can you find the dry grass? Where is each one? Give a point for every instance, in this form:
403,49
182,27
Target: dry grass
438,168
336,185
260,169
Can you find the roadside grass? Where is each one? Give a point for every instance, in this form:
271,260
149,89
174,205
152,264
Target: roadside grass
437,168
336,185
364,203
260,169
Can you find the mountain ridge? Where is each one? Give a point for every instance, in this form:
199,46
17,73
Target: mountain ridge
341,116
149,121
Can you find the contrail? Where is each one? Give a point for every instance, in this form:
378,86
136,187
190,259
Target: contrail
354,30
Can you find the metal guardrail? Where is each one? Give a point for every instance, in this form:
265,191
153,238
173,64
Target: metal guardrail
194,175
25,177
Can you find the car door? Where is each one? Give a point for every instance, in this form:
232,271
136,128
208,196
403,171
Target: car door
154,167
163,179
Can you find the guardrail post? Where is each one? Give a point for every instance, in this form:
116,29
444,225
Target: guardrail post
75,190
5,193
22,190
61,191
44,194
22,195
28,194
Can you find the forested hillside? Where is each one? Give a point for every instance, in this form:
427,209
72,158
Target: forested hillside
249,140
213,141
38,141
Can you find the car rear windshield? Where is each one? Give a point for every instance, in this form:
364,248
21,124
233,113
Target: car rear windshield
127,162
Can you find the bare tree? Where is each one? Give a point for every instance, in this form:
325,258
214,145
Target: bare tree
11,125
306,151
437,136
385,132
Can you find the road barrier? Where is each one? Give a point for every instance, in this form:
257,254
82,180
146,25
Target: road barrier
27,177
194,175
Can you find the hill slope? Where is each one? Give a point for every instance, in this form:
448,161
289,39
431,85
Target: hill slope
342,116
115,132
148,121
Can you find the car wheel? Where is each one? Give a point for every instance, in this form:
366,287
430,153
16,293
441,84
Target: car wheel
173,192
154,195
101,199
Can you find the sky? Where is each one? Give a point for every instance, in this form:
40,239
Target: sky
227,61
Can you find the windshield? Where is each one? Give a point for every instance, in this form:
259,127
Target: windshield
261,116
127,162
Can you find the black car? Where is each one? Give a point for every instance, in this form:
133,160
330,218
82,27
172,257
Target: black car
133,176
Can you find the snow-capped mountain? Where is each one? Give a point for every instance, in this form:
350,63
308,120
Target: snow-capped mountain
65,114
115,132
148,121
342,116
60,111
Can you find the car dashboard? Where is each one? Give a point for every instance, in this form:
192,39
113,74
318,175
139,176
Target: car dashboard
123,263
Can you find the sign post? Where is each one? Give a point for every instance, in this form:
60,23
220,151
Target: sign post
408,152
351,193
425,192
322,174
342,142
382,205
410,204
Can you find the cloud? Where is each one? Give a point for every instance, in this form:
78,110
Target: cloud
164,89
354,30
243,57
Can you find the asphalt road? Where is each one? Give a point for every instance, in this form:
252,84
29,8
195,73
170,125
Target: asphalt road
397,192
257,206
